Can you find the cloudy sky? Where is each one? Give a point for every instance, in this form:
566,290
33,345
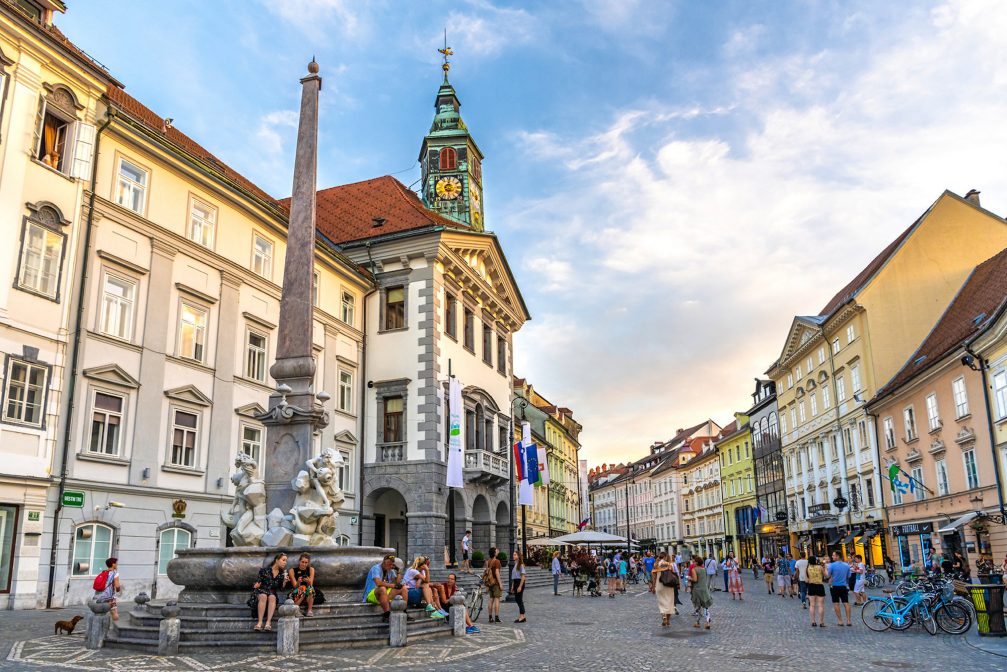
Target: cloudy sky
673,182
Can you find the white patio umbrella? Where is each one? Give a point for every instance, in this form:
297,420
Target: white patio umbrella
591,537
545,541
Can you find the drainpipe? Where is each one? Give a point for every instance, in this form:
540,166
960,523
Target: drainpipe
362,444
74,358
983,368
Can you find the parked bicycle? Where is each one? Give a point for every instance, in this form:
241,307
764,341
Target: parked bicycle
474,602
873,579
898,612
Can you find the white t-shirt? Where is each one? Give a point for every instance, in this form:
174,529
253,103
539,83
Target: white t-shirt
466,543
711,566
802,570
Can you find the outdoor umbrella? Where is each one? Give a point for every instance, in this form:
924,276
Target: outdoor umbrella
590,537
545,541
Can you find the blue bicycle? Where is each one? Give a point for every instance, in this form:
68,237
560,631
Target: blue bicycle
899,612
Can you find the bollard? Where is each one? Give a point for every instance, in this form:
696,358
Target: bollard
457,611
97,624
397,623
141,601
170,630
288,629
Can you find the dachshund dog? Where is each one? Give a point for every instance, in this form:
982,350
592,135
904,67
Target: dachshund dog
68,626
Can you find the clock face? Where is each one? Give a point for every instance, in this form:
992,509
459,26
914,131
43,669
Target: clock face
449,188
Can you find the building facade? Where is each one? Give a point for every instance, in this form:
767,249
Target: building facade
702,505
737,487
771,519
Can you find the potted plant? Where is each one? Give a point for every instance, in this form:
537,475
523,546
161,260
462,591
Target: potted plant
478,559
502,557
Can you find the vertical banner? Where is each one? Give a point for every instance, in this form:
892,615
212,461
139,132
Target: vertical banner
526,496
543,465
455,477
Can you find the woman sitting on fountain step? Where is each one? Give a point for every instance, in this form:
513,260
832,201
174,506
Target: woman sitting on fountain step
417,581
302,578
271,581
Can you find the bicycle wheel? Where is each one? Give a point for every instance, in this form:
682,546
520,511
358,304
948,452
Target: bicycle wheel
926,618
953,618
907,618
877,614
475,604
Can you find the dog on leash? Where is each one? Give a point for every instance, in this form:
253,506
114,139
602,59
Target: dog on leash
67,626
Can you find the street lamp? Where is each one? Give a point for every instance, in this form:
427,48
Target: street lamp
629,532
513,485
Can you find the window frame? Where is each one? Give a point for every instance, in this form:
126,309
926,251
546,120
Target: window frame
851,333
173,410
909,423
451,316
174,531
487,344
943,481
123,409
47,376
964,401
347,309
933,412
117,184
966,454
260,353
130,320
92,569
888,429
385,415
184,303
267,265
393,320
245,443
468,329
348,407
442,164
855,381
40,220
213,211
999,385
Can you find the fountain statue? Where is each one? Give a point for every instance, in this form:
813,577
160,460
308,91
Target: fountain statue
247,517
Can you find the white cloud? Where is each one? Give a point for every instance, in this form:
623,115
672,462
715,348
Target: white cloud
317,18
273,128
484,29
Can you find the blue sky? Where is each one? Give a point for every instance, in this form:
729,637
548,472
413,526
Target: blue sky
673,182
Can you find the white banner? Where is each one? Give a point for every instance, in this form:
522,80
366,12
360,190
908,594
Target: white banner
526,494
455,459
543,466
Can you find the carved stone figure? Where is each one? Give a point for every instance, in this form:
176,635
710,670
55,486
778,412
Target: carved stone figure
312,518
247,517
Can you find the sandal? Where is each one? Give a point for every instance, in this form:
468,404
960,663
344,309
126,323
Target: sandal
310,614
257,628
268,628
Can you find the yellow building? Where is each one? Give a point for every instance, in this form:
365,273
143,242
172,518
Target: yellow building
737,487
833,362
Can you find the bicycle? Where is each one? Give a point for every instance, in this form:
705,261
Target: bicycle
898,612
873,579
474,602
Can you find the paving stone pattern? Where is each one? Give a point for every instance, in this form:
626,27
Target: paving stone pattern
761,633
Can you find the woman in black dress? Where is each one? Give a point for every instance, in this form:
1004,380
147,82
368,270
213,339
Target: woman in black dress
302,578
270,582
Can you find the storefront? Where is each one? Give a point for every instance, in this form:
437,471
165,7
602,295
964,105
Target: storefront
773,538
913,541
8,529
867,542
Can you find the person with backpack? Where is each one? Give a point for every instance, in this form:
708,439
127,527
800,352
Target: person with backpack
664,585
106,587
493,583
711,572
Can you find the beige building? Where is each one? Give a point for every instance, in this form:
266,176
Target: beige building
702,503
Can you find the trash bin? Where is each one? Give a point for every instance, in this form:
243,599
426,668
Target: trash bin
988,599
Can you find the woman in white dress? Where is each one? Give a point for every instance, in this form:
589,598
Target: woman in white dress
664,583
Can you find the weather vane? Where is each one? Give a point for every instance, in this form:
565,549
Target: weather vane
446,51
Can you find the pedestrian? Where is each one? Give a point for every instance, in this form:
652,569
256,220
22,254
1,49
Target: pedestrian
702,600
768,567
648,566
466,551
793,573
966,571
890,568
557,569
493,580
623,565
724,570
612,576
755,568
710,565
735,585
111,588
665,584
517,577
838,573
859,587
816,592
801,574
783,581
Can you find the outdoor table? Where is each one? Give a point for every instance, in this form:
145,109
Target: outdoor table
988,599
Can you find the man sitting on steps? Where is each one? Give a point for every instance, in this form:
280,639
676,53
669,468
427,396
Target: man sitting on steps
383,585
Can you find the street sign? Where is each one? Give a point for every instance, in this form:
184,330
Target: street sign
840,502
781,515
73,499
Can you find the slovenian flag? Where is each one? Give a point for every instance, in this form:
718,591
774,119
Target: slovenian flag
519,460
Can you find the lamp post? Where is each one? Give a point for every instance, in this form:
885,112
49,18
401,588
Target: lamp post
513,486
629,532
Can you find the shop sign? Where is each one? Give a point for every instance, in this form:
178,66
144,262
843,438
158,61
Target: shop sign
816,509
34,516
781,514
73,499
840,503
911,528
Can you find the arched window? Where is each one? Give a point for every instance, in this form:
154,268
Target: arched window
774,430
172,539
449,159
92,545
480,443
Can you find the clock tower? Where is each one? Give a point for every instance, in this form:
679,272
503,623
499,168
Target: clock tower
450,160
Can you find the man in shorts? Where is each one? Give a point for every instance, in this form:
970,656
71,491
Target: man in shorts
838,574
383,584
783,580
466,552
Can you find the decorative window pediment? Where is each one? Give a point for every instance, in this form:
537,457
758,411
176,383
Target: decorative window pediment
250,410
112,374
189,394
346,436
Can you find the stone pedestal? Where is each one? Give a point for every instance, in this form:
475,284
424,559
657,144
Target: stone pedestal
170,631
457,612
97,624
288,629
141,601
397,623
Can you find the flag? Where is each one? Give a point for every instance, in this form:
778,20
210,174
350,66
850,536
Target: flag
533,473
455,460
583,523
543,465
519,461
893,475
526,497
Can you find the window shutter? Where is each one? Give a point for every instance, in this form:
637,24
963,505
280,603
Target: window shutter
83,151
36,136
432,160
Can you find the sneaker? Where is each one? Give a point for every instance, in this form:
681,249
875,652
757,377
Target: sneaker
441,611
429,608
471,630
434,614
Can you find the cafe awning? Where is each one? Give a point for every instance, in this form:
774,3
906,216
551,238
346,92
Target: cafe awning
958,522
834,537
848,539
868,535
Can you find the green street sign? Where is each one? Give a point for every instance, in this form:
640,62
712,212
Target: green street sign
73,499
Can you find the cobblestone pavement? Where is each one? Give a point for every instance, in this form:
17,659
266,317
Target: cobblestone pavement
761,633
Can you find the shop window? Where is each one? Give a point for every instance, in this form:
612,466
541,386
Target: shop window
171,540
92,545
8,519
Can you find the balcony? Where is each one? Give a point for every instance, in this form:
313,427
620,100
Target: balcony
391,452
482,466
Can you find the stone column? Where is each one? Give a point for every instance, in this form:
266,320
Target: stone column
397,623
97,624
457,612
222,415
293,414
288,629
170,631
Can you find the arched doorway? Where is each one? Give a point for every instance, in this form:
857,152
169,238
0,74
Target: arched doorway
391,527
503,527
481,522
454,527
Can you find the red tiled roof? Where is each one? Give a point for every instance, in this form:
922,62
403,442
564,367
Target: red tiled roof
347,212
980,298
155,123
728,430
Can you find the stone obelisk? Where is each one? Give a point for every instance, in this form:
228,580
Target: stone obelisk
293,413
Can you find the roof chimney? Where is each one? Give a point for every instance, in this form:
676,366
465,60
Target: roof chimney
973,197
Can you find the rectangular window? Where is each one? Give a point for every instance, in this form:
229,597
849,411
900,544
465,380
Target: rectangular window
192,332
800,412
909,422
1000,393
811,365
132,191
348,308
106,423
835,346
262,256
840,388
917,475
855,378
251,441
850,334
847,441
202,223
184,428
821,355
783,429
814,404
345,392
117,300
501,354
790,380
255,356
943,487
25,394
470,330
315,282
393,420
488,344
933,418
961,397
897,496
869,486
971,472
41,256
889,425
797,372
395,308
826,398
793,417
451,316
